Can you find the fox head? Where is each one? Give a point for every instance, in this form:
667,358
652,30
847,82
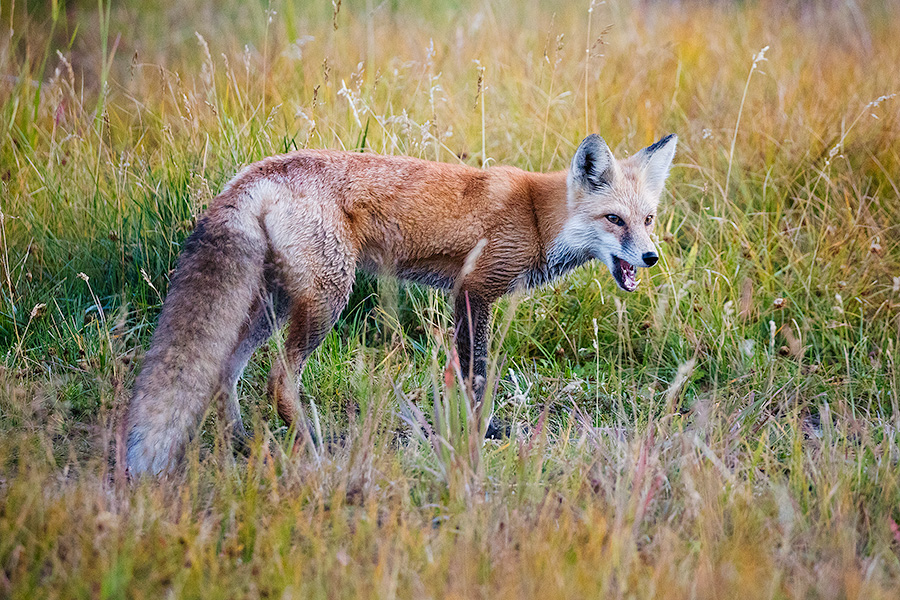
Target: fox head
611,207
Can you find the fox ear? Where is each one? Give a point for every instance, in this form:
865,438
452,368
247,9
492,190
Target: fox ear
656,160
592,166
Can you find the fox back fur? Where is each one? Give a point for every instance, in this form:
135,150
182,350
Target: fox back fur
284,239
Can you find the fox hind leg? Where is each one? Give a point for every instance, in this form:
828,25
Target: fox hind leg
269,314
312,317
315,261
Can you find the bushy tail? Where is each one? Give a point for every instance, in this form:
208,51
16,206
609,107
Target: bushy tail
219,274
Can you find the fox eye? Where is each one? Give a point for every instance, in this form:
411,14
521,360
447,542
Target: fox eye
615,220
648,221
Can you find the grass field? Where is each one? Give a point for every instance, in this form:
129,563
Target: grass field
730,430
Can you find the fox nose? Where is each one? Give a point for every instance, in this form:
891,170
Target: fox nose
650,258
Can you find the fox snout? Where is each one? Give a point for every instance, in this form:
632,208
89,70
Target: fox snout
650,258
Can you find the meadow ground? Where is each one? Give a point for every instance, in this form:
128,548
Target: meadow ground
729,430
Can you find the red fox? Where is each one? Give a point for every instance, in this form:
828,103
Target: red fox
284,239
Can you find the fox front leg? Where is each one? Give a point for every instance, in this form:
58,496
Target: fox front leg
473,314
473,311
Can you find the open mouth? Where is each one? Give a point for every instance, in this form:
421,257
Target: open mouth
624,273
